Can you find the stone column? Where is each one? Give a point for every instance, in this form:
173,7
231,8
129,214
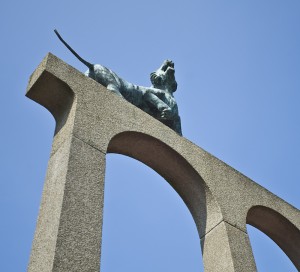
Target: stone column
227,248
68,233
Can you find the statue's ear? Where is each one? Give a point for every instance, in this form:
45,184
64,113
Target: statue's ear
155,80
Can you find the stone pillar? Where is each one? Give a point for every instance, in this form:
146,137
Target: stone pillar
68,233
227,248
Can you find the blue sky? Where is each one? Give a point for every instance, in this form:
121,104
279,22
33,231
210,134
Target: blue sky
237,67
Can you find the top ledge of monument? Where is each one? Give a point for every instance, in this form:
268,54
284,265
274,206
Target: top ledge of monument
50,63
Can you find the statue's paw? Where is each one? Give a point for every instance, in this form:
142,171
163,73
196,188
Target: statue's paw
154,91
166,113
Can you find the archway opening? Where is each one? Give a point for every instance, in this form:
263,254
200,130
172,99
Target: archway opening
176,170
267,254
147,226
281,232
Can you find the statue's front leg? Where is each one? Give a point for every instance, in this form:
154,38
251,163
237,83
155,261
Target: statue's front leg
166,114
161,106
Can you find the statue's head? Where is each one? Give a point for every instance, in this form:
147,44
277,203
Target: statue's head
164,77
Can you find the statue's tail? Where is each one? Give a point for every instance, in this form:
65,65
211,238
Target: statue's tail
89,65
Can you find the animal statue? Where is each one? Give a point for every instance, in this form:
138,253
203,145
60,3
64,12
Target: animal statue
157,100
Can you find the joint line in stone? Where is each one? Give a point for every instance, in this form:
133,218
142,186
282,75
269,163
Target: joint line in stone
219,224
88,144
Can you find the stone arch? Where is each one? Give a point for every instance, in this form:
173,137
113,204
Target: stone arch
176,170
278,228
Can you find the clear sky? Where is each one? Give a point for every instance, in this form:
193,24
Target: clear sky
237,67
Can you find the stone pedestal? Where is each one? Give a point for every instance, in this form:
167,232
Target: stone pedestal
90,122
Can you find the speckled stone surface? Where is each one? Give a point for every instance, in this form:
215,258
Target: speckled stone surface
218,256
90,122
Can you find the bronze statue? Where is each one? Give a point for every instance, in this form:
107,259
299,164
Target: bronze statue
157,100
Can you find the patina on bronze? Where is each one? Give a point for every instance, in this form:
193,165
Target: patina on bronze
157,100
